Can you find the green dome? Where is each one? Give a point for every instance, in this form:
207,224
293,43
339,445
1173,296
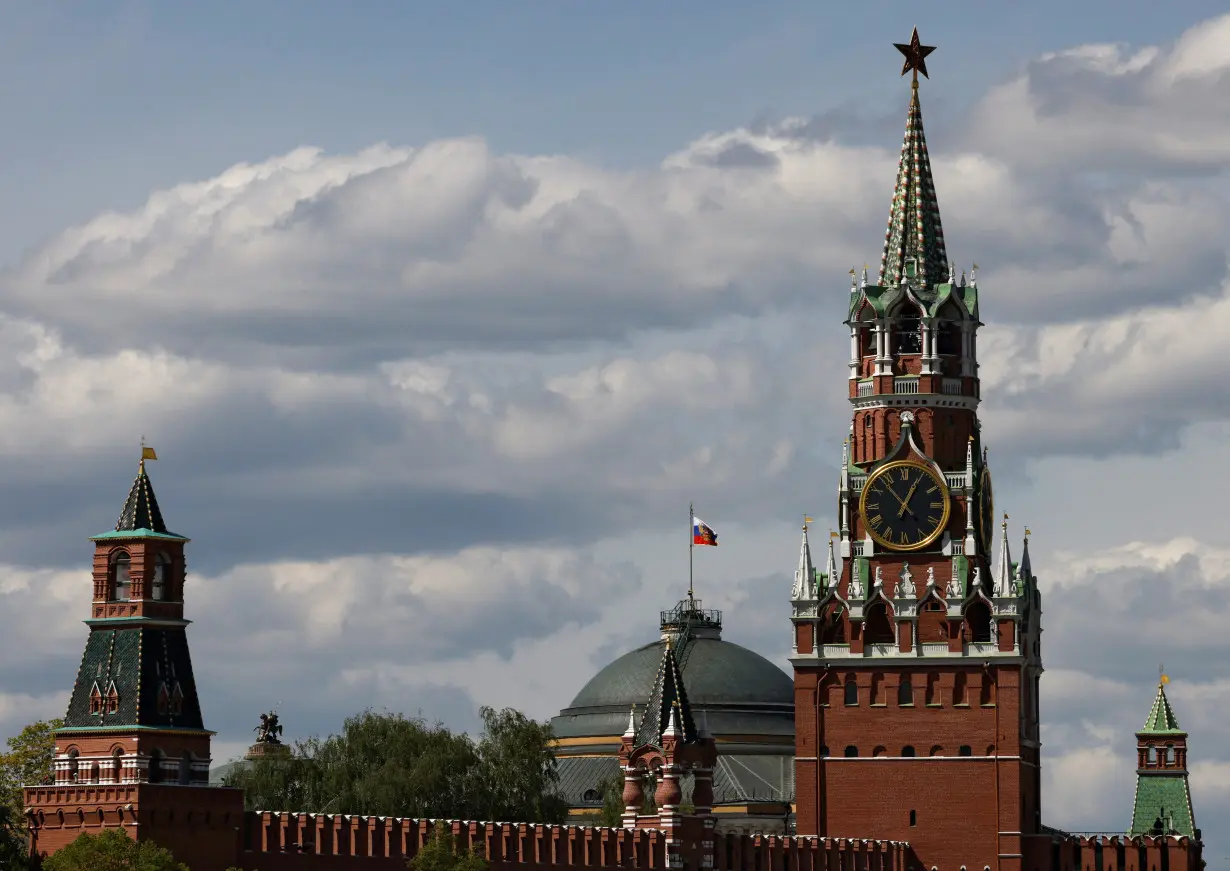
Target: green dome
732,690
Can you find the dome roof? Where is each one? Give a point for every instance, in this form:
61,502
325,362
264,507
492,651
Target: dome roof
732,689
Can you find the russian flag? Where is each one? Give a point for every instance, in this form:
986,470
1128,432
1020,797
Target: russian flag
702,533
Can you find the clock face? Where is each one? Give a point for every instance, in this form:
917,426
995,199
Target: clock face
986,509
905,505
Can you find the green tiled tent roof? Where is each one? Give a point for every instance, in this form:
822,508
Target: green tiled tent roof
141,514
139,662
1162,720
1165,798
914,228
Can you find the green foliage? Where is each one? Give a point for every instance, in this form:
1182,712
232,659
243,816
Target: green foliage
612,813
443,853
391,765
27,763
112,850
14,851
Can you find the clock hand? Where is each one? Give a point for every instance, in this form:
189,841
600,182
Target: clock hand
889,488
906,501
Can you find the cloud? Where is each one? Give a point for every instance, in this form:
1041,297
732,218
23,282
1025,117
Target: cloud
1159,109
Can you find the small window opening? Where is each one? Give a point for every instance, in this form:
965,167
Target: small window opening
158,589
913,818
851,752
121,577
908,331
965,750
851,691
908,751
905,691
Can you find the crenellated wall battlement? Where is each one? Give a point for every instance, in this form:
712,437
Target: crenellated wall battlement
288,841
1124,853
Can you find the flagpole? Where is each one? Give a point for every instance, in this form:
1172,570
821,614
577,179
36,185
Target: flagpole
691,544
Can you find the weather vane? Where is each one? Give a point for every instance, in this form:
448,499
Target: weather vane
915,56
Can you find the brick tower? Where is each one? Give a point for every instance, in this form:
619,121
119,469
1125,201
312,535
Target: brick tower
1163,803
133,751
916,652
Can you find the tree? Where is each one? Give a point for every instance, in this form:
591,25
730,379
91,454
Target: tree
27,763
14,849
391,765
112,850
612,791
519,770
443,853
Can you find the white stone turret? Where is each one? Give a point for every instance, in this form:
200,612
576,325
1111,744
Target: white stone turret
833,571
630,732
672,727
1003,572
805,575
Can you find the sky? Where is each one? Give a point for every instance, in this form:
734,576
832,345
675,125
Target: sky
439,321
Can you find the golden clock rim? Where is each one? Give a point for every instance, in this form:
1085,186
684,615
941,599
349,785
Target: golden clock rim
987,534
940,527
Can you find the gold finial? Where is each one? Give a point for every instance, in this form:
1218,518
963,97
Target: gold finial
668,642
853,271
834,534
1005,523
915,56
1027,532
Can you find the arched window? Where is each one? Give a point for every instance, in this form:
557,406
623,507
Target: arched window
95,772
908,751
978,622
879,751
933,689
905,691
121,582
1170,754
117,762
907,331
73,765
913,818
937,750
185,770
878,625
833,628
823,751
1152,755
965,750
867,338
851,752
162,573
947,339
851,691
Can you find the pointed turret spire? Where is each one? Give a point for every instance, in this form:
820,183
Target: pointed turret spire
805,574
1161,720
914,243
141,507
668,694
833,572
1003,572
630,732
1024,569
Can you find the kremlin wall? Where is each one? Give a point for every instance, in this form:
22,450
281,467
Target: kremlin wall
907,739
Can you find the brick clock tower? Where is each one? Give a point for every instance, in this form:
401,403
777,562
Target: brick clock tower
916,651
133,752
